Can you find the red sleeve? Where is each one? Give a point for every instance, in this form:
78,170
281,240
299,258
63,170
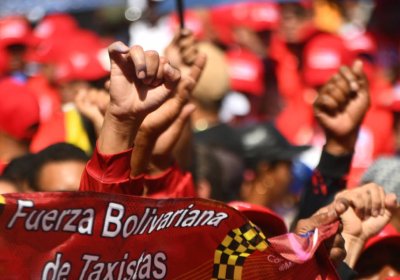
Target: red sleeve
172,183
111,173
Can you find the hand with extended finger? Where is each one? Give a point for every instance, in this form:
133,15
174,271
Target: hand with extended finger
166,121
140,81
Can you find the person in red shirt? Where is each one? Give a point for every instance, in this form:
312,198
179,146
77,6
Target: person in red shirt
19,119
116,166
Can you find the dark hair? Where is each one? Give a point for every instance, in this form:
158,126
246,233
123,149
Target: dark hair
59,152
19,170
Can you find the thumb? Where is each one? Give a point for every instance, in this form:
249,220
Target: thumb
357,68
391,201
332,212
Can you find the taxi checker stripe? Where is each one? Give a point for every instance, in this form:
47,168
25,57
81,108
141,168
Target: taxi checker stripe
231,254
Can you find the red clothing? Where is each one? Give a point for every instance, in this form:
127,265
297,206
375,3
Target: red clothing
111,173
2,166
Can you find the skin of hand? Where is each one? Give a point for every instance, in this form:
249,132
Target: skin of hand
92,103
182,52
160,130
371,209
340,108
329,214
140,82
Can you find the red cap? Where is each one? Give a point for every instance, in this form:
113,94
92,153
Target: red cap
193,22
81,59
256,16
360,42
246,72
19,110
323,55
14,30
267,220
388,235
55,25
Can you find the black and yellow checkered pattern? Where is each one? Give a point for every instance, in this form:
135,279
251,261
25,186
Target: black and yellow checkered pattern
231,254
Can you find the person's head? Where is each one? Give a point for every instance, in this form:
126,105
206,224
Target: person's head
19,170
295,19
19,119
268,157
380,258
14,37
207,173
7,185
58,168
208,93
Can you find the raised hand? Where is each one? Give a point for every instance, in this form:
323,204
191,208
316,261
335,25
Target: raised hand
140,82
182,52
160,121
341,106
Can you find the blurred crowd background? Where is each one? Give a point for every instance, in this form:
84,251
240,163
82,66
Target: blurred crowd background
266,61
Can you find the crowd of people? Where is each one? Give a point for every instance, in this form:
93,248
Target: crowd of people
285,111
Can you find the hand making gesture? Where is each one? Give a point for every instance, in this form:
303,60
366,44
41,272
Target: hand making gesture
341,106
140,82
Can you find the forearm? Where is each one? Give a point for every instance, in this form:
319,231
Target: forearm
117,135
140,159
328,179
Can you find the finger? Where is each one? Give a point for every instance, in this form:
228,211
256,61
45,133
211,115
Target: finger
391,201
367,198
171,76
376,199
183,117
186,41
382,197
138,58
331,213
350,77
358,203
327,103
357,68
340,96
189,55
185,88
341,83
152,66
117,52
198,66
160,72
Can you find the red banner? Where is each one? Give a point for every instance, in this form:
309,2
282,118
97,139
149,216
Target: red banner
103,236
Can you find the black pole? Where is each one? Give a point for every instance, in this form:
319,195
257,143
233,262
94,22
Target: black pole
181,11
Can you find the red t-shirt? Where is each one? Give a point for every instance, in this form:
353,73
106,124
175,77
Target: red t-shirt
111,173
